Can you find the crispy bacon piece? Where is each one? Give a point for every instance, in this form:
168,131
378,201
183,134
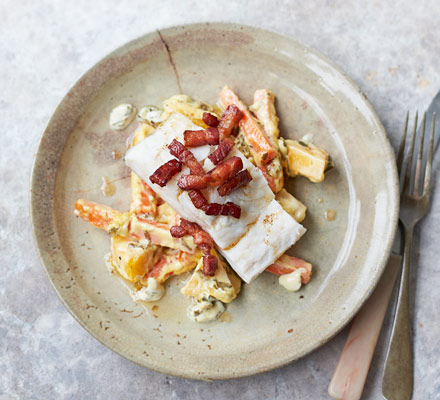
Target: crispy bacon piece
179,151
231,209
178,231
200,138
199,201
261,147
238,180
228,209
221,151
229,120
201,238
197,182
210,265
210,120
225,170
213,209
165,172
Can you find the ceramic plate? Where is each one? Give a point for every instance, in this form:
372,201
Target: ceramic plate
266,326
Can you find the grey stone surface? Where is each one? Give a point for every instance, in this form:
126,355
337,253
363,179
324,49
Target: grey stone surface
391,49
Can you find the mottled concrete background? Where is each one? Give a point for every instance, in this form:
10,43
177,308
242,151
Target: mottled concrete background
391,49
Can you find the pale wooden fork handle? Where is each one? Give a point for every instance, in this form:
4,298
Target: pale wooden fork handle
351,372
397,383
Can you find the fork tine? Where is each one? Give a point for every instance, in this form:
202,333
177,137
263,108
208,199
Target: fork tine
427,184
418,171
402,145
410,156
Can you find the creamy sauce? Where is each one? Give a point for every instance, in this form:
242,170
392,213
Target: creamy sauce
307,138
330,215
153,292
121,116
107,188
151,114
292,281
205,310
109,264
226,317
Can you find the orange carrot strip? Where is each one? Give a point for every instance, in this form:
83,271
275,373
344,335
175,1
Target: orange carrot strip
111,221
98,215
287,264
261,147
173,263
143,199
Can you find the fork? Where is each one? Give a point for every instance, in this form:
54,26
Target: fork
397,381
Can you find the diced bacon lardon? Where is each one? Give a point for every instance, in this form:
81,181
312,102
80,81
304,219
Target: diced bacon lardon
221,174
165,172
179,151
190,182
210,265
220,153
200,138
225,170
199,201
238,180
210,120
228,209
201,239
231,209
229,120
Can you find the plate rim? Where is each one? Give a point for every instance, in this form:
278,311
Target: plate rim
394,203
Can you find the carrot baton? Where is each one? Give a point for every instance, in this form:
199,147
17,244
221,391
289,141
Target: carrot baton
116,222
103,217
262,149
287,264
144,200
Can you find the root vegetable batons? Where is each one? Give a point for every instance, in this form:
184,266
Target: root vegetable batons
261,147
115,222
144,200
201,239
173,262
287,264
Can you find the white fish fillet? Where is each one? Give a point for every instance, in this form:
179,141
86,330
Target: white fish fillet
250,244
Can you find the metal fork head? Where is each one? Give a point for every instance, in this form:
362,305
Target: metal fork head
414,198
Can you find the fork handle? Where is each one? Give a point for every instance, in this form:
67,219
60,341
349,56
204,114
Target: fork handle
351,372
397,382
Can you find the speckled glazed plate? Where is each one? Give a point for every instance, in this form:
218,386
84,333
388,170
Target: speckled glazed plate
266,326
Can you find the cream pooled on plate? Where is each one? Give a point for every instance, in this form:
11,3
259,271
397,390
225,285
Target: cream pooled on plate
250,244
